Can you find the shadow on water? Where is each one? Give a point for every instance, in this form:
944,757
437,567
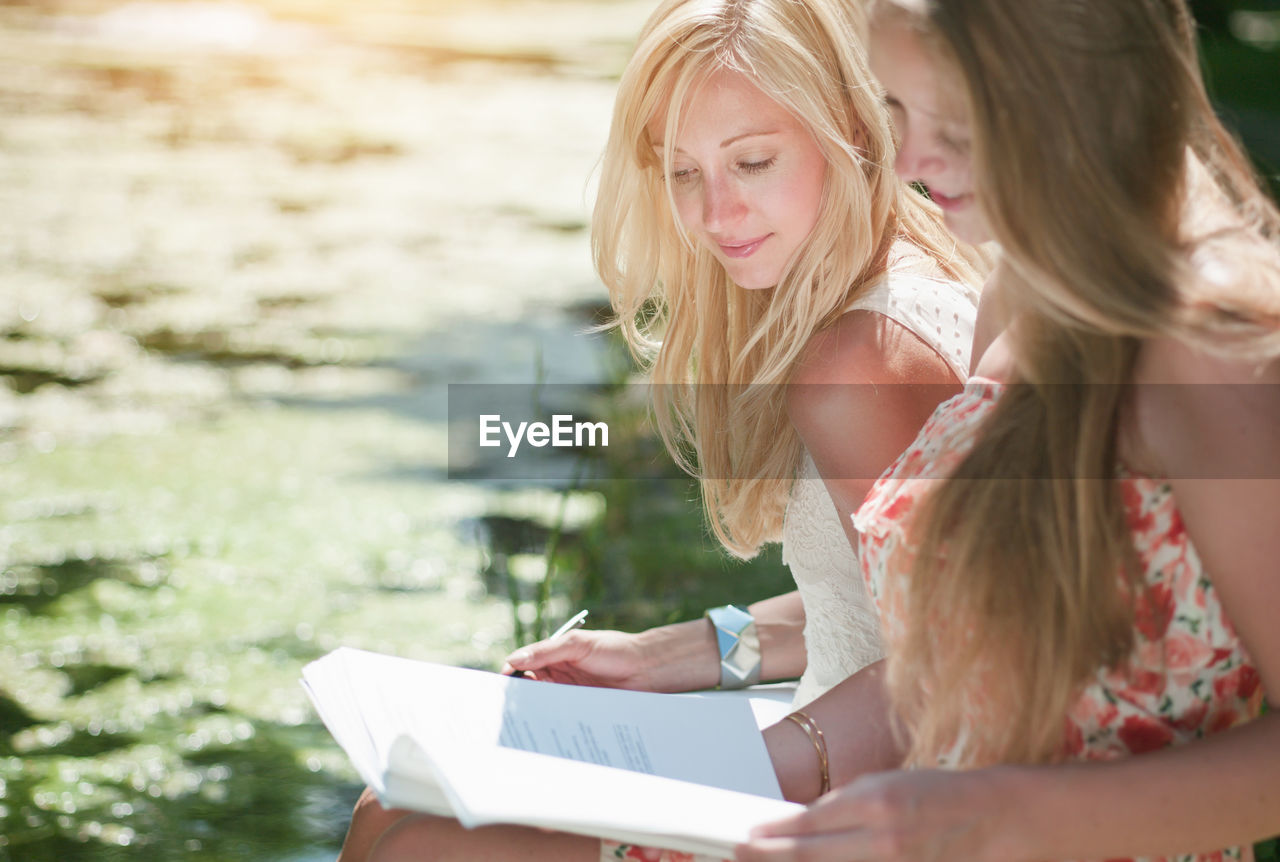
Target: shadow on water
13,718
25,378
246,799
35,586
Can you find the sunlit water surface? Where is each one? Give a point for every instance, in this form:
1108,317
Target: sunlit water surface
246,246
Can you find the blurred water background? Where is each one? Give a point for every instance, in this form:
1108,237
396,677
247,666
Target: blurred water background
244,247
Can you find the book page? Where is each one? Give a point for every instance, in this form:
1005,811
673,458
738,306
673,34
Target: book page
512,786
689,772
770,702
712,742
689,738
576,739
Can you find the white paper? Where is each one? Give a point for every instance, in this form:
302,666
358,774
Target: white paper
514,786
689,772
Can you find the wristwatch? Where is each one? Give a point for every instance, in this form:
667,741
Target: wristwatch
739,645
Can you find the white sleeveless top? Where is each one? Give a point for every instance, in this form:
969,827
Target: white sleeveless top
842,629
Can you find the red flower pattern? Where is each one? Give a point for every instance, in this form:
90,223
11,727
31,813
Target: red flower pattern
1192,717
1141,734
1154,611
611,850
1139,517
1148,681
1241,682
1187,651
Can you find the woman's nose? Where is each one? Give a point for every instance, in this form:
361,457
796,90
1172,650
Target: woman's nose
722,203
918,158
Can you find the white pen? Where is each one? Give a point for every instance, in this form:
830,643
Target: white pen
569,625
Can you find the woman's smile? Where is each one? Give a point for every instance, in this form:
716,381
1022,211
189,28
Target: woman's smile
744,248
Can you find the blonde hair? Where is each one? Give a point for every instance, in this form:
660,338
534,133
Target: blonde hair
717,354
1115,193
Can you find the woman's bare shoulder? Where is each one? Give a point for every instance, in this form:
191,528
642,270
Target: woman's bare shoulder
857,396
864,346
1200,415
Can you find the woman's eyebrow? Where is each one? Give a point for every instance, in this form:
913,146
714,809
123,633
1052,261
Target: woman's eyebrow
752,134
932,113
659,145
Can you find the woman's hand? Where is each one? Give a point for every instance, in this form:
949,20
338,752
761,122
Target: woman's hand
919,816
602,658
679,657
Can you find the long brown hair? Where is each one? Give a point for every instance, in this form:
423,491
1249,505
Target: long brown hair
717,352
1109,183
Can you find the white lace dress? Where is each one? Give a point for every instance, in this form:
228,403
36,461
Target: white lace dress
842,628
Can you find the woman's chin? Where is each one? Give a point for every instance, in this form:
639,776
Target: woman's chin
967,225
752,280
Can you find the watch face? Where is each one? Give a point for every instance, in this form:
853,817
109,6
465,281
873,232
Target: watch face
730,617
738,645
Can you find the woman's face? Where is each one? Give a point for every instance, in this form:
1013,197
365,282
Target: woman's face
932,129
746,175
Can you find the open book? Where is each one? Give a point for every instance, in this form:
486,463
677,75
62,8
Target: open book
688,772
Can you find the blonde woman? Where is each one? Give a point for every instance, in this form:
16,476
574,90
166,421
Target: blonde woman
801,312
1076,567
756,246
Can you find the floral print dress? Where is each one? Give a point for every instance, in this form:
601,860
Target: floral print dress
611,851
1188,675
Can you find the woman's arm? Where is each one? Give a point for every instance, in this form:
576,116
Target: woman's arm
780,627
1202,796
1205,425
1211,427
866,385
861,391
854,719
677,657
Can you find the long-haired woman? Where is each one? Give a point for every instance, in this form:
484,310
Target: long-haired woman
1075,566
746,275
800,312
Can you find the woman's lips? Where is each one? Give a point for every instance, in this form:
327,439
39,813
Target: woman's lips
743,249
950,202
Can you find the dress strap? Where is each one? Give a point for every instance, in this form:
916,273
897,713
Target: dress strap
939,312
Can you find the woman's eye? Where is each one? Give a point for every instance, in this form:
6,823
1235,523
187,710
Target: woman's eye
956,142
757,167
684,176
896,113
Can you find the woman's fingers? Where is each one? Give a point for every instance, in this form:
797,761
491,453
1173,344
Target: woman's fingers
798,824
820,847
861,821
583,657
568,648
592,657
840,810
916,815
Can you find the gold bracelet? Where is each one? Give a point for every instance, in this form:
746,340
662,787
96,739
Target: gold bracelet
811,730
